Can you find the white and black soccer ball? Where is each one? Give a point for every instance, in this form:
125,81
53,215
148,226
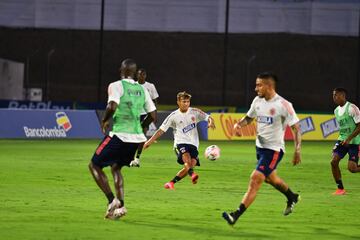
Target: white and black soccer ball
212,152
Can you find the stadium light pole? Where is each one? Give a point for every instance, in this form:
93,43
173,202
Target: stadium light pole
47,83
101,49
226,33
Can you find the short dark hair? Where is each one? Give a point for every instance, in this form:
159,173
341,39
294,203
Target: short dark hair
340,90
268,75
141,70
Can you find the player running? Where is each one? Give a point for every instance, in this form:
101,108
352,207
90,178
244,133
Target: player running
186,140
126,100
347,115
273,113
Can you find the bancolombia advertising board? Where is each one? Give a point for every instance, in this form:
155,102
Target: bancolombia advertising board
313,127
49,124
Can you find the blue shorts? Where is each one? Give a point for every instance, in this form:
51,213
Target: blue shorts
112,150
267,160
352,149
186,148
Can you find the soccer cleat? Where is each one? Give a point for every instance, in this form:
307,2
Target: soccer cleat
194,178
169,185
291,205
111,207
231,218
339,192
119,212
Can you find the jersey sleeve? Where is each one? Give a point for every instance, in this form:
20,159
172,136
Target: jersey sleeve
354,112
154,94
289,113
115,91
168,122
251,112
149,105
200,115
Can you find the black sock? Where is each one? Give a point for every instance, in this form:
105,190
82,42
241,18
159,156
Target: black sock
176,179
240,211
122,202
190,172
110,197
339,184
138,154
289,194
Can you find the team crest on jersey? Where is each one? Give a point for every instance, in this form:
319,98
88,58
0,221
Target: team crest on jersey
189,127
265,119
272,111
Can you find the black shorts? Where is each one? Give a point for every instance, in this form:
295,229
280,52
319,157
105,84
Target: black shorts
184,148
353,150
112,150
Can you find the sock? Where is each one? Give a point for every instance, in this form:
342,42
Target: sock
110,197
138,154
239,211
289,194
339,184
190,172
176,179
122,202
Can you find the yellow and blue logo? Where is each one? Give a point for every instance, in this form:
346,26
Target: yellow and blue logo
63,121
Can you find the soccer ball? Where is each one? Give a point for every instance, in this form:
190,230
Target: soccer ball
212,152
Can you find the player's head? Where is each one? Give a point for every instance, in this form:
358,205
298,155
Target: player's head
265,84
339,96
141,76
183,101
128,68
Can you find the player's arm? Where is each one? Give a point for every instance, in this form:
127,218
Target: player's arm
211,123
156,135
297,142
242,123
352,135
109,112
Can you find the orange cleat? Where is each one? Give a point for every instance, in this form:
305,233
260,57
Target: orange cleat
194,178
169,185
339,192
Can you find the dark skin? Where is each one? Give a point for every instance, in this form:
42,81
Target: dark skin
340,100
126,71
141,77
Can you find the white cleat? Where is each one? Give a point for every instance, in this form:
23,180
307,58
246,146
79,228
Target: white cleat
115,204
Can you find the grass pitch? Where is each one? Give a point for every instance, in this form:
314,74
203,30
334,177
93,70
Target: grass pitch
47,192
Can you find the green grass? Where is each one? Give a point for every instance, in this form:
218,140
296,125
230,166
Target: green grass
46,192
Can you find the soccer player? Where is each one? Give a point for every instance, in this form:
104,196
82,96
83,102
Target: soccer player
144,118
126,99
184,121
272,113
347,115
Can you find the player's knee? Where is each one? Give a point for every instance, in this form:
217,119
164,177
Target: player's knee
352,168
334,162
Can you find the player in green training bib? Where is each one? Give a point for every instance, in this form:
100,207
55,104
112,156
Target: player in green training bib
126,100
348,118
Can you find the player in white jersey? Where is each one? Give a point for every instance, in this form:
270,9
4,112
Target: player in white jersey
146,119
183,121
272,113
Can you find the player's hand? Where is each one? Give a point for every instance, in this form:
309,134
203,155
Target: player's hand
297,158
146,145
135,163
237,130
104,126
211,123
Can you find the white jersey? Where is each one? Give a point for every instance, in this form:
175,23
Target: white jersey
184,125
150,87
272,117
115,92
